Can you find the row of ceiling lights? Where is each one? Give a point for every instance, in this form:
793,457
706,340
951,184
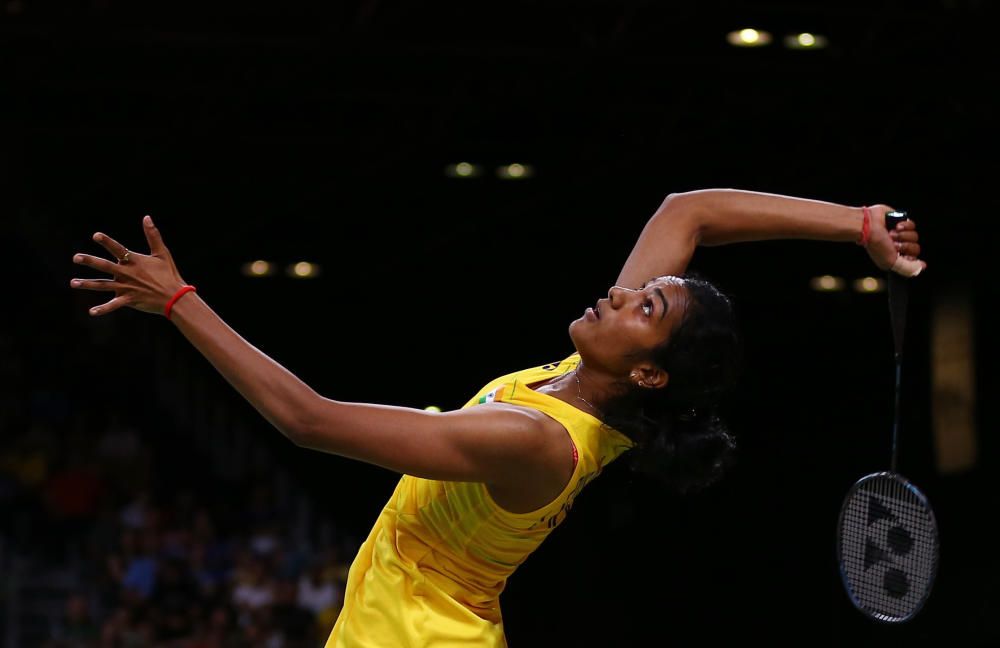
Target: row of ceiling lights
299,270
309,270
830,283
513,171
750,37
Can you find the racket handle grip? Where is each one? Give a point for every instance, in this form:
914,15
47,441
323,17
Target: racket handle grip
898,299
894,218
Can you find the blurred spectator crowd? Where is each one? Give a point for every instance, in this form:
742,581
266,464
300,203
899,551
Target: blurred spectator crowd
161,553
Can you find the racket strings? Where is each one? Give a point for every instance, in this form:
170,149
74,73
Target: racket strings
888,547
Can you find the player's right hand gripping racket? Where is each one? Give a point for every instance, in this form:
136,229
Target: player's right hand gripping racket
887,536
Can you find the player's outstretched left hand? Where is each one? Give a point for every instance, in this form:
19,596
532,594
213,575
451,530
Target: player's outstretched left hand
145,282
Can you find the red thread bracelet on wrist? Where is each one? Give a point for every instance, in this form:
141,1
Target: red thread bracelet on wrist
180,293
866,227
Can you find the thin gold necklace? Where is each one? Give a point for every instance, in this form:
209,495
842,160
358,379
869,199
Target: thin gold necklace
579,394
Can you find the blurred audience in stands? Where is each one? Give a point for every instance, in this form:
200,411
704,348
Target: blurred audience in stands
161,561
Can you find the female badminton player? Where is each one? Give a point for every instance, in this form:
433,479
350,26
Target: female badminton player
484,485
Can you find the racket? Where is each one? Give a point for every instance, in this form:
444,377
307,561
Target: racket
887,535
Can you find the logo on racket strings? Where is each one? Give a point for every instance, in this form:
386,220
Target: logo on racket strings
888,547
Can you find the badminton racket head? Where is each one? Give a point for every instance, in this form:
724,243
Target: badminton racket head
887,547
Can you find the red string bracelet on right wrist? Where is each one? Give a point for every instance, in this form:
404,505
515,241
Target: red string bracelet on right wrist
866,227
177,295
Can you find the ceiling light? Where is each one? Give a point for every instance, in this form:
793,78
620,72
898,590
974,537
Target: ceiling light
462,170
869,285
515,171
748,37
258,268
303,270
826,283
805,40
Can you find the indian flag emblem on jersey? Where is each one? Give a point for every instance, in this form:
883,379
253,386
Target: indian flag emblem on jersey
492,396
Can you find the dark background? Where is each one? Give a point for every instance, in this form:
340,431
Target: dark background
320,131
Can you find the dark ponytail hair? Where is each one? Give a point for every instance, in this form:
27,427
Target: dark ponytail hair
681,440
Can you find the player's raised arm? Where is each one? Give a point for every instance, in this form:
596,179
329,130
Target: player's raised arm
490,444
721,216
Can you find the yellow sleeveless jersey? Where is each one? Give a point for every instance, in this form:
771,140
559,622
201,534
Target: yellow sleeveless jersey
431,571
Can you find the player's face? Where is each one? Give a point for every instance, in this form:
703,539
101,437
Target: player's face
628,324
